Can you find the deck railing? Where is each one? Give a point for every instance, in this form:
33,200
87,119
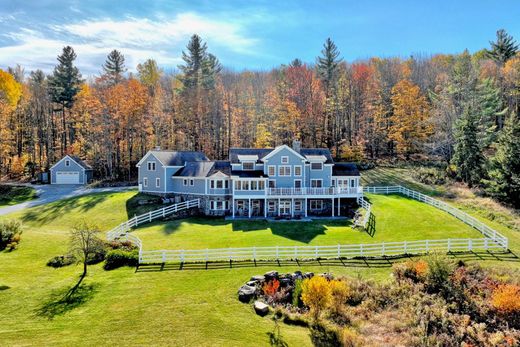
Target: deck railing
314,191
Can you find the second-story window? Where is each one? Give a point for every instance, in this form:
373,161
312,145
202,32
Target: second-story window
297,171
67,162
316,166
219,184
284,171
192,182
248,165
285,159
271,170
316,183
151,166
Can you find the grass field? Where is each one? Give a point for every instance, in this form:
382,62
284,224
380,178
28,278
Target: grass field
171,307
397,219
12,195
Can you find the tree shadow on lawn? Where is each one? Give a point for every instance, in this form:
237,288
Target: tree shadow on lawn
51,211
302,231
66,299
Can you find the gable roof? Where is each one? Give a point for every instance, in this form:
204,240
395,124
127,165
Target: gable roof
75,159
204,169
234,153
311,153
345,169
282,147
175,158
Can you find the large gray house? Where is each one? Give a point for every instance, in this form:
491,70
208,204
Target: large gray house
254,182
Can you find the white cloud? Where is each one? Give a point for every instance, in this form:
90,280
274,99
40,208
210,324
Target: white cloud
138,39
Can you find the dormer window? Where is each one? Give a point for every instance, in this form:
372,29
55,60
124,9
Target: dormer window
67,162
151,166
285,159
316,166
248,165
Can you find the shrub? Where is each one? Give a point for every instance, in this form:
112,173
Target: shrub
117,258
323,335
10,234
349,338
506,299
271,288
316,294
439,273
414,270
297,293
340,293
61,260
124,245
431,176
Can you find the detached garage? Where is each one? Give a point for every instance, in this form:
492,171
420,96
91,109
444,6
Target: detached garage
71,170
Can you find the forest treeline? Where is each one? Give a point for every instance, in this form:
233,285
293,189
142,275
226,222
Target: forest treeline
462,109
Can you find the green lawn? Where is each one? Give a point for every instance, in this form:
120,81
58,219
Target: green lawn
12,195
171,307
397,219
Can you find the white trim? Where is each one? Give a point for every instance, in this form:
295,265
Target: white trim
294,172
154,166
274,169
70,158
284,167
316,201
286,157
299,180
316,179
278,149
157,182
248,162
146,156
316,162
145,182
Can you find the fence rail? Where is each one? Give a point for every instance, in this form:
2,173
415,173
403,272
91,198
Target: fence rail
492,241
123,228
318,252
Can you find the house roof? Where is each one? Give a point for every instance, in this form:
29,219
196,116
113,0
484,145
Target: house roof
308,153
234,153
77,160
311,153
177,158
204,169
345,169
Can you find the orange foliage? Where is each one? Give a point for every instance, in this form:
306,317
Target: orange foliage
506,298
271,287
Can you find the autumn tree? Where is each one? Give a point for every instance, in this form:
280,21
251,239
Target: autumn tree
410,119
10,94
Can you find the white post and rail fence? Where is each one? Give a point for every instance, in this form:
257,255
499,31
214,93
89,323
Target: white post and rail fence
492,240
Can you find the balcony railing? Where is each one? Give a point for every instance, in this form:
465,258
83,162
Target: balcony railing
314,191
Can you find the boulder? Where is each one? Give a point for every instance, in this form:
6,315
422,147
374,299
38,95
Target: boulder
252,283
286,281
297,275
246,293
327,275
261,308
271,275
308,275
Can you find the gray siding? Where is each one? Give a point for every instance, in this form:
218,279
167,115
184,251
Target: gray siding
197,188
152,175
74,167
276,160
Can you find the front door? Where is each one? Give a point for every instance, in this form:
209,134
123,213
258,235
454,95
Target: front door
285,208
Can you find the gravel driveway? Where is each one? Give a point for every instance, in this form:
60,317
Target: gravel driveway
49,193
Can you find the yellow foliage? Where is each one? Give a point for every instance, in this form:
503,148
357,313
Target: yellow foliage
18,164
316,294
340,292
10,90
506,298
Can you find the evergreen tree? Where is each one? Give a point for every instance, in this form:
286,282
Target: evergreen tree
490,112
64,84
114,67
296,63
194,60
328,64
468,158
504,174
503,48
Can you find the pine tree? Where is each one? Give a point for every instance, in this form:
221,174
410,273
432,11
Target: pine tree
114,67
504,174
194,60
468,158
64,84
503,49
328,64
490,112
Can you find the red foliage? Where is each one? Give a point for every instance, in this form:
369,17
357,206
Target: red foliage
271,288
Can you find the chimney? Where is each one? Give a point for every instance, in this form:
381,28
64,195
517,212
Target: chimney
297,145
157,148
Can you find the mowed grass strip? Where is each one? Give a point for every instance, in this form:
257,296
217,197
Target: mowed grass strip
12,195
397,218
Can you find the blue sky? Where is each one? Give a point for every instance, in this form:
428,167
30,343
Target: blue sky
244,34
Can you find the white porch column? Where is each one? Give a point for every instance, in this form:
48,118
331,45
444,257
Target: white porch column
333,207
339,207
265,208
249,210
305,207
278,207
233,207
292,207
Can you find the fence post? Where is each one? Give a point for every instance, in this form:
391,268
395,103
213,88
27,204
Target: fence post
405,247
207,256
254,253
182,256
470,244
276,252
150,216
427,246
164,256
449,245
316,251
163,212
339,250
486,243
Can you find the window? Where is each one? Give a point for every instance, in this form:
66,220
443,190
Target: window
272,184
226,184
220,184
285,159
185,182
238,185
297,171
271,206
151,166
261,185
218,205
316,183
254,185
316,166
285,207
211,184
240,205
245,185
316,205
157,182
297,183
271,170
192,182
297,206
248,165
333,183
352,183
284,171
145,182
67,162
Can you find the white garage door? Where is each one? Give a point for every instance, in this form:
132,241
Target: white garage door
63,177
